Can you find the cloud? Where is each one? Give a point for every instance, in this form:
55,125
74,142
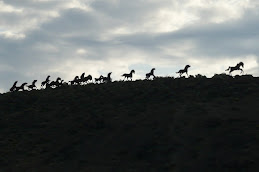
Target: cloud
67,38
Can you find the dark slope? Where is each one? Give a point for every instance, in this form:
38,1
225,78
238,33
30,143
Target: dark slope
194,124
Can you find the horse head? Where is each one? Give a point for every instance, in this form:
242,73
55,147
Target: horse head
90,77
241,64
187,66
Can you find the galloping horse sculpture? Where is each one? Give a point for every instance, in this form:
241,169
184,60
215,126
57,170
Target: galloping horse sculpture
32,86
98,80
75,80
86,79
21,87
237,67
185,70
54,84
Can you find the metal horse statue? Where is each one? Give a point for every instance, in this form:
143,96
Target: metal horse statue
237,67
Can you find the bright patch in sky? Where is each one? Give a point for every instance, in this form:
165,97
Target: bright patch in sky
9,9
11,35
81,51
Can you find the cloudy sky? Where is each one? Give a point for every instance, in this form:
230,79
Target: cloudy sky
64,38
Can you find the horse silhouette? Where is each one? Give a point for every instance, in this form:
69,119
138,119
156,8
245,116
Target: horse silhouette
54,84
237,67
185,70
46,81
80,79
151,73
62,83
108,78
13,88
88,78
97,80
21,87
128,75
75,81
32,86
82,76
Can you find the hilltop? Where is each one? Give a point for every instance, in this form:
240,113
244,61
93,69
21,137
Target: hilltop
167,124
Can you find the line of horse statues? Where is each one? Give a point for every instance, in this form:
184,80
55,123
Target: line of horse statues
82,80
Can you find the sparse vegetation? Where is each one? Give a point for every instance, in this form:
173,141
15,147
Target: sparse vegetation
165,124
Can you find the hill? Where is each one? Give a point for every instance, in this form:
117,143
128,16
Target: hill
194,124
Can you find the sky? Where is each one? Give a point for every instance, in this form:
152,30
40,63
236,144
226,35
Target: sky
64,38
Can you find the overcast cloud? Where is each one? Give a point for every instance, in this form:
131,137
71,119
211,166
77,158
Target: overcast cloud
66,38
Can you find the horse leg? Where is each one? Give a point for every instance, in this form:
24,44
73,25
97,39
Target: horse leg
230,71
147,76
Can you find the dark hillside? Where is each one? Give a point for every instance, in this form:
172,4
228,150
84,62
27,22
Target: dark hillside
194,124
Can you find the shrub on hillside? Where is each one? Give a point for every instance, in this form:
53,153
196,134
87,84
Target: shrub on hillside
200,76
222,76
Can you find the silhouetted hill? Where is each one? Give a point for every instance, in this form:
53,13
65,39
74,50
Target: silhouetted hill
194,124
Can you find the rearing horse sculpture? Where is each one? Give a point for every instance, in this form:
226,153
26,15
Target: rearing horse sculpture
108,78
13,88
151,73
45,82
237,67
